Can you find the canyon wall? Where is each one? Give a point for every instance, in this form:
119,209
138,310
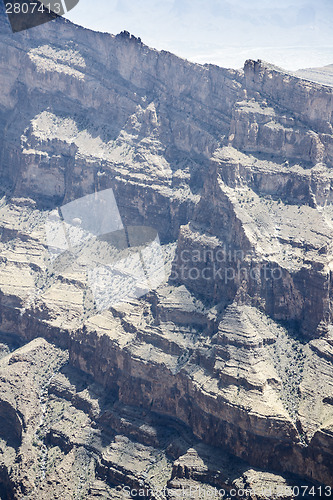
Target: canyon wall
233,169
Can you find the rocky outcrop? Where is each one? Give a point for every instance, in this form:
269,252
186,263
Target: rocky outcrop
311,103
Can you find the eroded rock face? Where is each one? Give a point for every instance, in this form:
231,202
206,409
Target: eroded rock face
257,249
233,170
77,439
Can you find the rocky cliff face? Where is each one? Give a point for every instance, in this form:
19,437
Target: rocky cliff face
234,349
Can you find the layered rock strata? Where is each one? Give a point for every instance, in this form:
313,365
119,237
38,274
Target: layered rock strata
233,170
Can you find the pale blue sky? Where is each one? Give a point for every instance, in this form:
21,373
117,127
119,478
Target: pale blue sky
291,33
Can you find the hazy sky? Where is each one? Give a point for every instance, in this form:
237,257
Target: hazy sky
291,33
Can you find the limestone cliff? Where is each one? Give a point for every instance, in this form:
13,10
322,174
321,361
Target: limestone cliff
234,349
